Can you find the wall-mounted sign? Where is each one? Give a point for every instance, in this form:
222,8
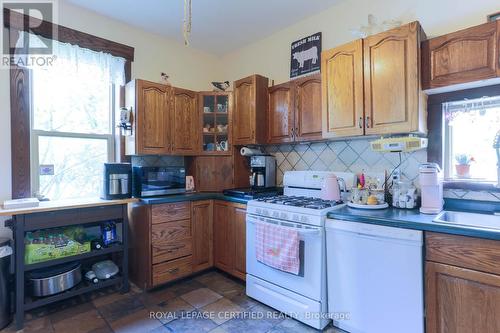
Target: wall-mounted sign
306,55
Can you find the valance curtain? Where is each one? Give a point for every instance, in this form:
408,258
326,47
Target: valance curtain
72,58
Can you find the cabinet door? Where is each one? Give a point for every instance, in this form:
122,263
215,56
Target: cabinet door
280,122
463,56
153,118
460,300
202,230
186,123
214,174
244,113
205,178
391,70
342,90
308,109
239,221
223,236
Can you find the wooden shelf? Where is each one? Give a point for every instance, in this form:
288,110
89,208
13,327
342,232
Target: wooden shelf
82,288
216,113
91,254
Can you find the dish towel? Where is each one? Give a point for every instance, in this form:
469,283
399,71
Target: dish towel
277,246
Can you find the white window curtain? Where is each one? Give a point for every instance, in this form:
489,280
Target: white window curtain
72,58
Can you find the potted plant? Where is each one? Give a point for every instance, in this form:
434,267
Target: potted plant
463,165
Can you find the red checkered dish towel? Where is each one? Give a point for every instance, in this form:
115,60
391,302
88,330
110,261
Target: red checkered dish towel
277,246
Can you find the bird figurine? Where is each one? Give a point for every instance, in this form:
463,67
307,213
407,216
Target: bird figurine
164,79
220,86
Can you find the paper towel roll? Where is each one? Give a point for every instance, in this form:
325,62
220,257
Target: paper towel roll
245,151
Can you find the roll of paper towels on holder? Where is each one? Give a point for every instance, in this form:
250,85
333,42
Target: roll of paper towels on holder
245,151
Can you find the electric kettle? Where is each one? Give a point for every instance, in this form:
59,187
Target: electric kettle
330,189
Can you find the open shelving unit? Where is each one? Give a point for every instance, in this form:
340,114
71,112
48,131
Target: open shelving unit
215,110
92,216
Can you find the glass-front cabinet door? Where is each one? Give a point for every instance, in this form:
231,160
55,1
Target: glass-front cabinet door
216,114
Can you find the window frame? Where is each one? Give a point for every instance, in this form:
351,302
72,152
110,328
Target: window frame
20,91
36,133
437,136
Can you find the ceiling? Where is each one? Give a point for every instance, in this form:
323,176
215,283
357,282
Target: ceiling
218,26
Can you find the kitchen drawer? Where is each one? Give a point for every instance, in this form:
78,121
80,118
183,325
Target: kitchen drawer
170,212
164,251
171,231
172,270
467,252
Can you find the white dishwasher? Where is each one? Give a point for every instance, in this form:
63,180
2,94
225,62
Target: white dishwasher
375,278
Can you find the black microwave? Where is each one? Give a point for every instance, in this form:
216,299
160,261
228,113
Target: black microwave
152,181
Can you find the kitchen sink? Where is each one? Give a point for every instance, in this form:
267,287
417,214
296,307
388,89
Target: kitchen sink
469,219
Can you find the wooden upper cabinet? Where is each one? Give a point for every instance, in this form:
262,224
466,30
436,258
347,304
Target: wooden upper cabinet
392,81
186,123
308,108
280,115
202,230
151,106
342,90
250,108
463,56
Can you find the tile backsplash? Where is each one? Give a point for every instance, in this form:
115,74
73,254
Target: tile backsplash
356,156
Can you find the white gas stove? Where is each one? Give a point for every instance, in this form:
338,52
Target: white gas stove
301,200
302,296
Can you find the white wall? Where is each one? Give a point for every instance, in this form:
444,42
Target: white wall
271,56
187,67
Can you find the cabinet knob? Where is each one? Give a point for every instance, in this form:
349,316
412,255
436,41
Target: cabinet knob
173,270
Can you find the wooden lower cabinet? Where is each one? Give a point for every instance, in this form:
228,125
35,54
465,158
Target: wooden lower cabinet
202,226
223,236
462,299
239,221
173,240
230,238
171,270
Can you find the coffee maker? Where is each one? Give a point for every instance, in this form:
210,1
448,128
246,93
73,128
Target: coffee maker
263,168
431,184
116,181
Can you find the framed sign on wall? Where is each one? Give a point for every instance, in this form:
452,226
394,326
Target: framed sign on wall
305,55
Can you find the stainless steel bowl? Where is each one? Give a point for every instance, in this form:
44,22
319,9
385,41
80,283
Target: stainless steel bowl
55,280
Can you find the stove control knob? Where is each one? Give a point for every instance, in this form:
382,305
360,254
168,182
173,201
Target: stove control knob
258,211
283,216
276,214
304,219
295,217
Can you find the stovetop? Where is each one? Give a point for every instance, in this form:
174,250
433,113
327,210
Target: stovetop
253,193
296,201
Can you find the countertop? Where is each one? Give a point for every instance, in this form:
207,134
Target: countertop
195,196
48,206
411,219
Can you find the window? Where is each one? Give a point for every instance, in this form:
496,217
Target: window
470,128
72,126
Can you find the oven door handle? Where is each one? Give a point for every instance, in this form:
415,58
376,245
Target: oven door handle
303,231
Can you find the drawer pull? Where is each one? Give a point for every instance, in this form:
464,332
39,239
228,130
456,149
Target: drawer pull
173,270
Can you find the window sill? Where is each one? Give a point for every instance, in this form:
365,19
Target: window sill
470,185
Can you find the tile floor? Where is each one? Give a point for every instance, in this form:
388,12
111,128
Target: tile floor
197,304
